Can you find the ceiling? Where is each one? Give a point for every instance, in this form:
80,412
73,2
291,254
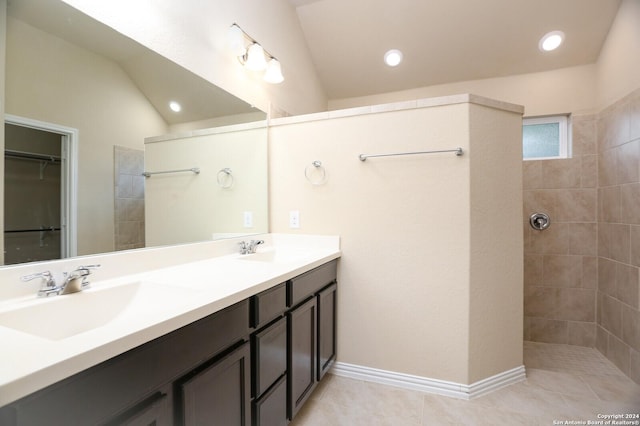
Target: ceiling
158,78
445,41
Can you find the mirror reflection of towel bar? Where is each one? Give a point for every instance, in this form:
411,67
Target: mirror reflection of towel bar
195,170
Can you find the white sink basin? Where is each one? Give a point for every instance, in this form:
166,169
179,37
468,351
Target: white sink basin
60,317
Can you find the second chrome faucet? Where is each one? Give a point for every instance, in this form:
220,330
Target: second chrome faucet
250,247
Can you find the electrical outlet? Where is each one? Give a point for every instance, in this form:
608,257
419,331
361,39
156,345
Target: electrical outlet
294,219
248,219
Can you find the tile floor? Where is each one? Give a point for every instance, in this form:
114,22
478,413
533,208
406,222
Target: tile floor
563,383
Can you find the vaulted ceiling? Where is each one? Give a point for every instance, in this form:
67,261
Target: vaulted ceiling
445,41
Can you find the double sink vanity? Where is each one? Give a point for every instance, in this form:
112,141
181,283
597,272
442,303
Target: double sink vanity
187,335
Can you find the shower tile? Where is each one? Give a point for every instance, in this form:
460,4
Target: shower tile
589,171
137,190
609,204
630,203
576,205
620,247
547,330
634,366
542,302
554,240
607,165
531,174
581,333
583,239
613,125
628,159
589,272
584,134
619,353
634,115
604,239
532,269
602,339
124,186
631,327
607,276
635,245
563,173
539,201
611,315
577,304
562,271
628,285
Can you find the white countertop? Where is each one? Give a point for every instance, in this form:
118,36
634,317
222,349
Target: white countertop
173,297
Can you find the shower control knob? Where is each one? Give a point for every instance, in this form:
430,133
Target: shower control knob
539,221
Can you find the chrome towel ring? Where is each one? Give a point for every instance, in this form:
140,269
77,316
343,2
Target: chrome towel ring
225,178
315,173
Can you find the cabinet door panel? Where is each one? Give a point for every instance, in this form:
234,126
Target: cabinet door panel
220,394
270,361
301,366
326,329
271,408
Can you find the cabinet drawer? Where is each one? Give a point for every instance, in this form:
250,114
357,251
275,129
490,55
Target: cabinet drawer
310,282
268,305
270,356
271,408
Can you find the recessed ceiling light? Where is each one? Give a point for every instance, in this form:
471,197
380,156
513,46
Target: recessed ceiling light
551,41
175,107
393,57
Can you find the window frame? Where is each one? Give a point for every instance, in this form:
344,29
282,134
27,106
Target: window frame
564,135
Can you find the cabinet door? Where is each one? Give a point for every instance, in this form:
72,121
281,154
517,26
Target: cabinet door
269,356
326,329
302,351
271,408
220,394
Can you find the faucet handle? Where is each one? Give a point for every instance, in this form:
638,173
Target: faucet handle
84,271
254,244
49,285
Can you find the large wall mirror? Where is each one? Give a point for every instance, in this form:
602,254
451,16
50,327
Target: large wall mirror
108,94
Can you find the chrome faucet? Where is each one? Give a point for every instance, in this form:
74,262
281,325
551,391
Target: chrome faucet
249,248
74,281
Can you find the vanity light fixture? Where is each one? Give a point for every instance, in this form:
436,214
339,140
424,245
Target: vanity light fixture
393,57
253,56
551,41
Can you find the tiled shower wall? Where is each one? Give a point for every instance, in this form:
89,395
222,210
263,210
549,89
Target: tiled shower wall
582,275
129,198
561,261
618,314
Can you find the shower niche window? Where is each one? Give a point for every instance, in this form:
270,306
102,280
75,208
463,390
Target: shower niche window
32,195
545,138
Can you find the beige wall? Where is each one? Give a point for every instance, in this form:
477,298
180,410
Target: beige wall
552,92
619,62
407,237
51,80
185,207
194,35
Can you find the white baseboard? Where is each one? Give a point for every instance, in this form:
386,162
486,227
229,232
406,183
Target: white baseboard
425,384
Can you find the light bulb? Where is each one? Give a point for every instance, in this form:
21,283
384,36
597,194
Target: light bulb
393,57
255,58
175,107
273,74
551,41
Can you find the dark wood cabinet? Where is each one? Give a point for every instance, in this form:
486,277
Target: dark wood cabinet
255,362
218,394
326,329
302,323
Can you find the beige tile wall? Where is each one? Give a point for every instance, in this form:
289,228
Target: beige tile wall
561,262
129,198
618,297
582,275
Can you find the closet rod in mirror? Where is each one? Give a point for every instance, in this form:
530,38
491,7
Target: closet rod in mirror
195,170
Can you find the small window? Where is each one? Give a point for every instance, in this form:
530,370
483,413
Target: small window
545,138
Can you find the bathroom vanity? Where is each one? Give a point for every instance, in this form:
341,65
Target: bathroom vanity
254,361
